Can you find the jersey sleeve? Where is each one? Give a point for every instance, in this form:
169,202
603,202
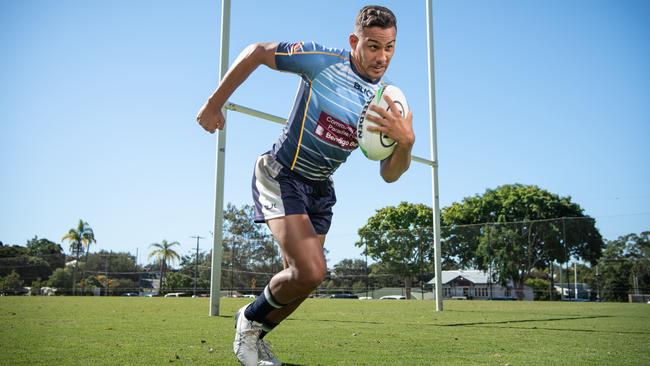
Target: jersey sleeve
306,58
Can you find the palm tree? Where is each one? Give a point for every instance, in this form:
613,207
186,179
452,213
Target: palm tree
80,238
163,254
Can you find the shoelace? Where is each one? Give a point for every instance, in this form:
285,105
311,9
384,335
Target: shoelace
265,347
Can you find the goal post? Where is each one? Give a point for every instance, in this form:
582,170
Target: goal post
217,243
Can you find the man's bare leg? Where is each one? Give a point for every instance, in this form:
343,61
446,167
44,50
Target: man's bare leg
278,315
305,269
302,249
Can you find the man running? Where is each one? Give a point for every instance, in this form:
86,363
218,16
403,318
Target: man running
292,186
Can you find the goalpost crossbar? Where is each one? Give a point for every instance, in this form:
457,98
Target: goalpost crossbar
270,117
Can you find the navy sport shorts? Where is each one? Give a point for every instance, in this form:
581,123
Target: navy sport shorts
278,192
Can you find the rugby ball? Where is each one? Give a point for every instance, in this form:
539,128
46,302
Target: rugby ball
377,145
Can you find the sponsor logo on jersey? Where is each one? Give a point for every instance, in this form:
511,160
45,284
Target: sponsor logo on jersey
296,48
366,91
335,132
362,119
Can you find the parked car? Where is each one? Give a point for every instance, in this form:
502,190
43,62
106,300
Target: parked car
344,296
393,297
175,294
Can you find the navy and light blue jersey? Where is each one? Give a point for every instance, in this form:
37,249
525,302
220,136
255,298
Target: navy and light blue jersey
321,130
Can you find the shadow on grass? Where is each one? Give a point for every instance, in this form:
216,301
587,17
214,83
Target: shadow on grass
495,324
525,321
492,324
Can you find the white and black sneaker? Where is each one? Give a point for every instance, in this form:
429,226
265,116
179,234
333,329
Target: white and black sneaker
246,339
265,356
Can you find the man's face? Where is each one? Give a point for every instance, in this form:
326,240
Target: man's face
372,50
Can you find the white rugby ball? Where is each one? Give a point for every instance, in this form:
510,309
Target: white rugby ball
377,145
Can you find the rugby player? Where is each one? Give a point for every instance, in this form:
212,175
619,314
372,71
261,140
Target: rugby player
292,185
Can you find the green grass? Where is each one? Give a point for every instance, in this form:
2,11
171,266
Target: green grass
158,331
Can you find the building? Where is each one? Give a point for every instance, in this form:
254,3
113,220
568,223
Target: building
475,284
567,291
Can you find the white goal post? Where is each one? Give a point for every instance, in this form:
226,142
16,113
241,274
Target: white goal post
217,243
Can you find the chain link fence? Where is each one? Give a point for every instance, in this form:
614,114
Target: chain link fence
541,260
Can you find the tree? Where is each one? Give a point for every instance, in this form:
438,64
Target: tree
80,237
28,267
247,247
381,275
61,279
540,288
164,254
11,283
625,267
102,261
11,258
349,271
119,266
176,281
188,267
47,250
514,229
401,238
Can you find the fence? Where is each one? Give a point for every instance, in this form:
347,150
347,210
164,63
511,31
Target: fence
531,260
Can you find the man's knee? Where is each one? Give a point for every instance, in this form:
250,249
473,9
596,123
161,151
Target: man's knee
309,277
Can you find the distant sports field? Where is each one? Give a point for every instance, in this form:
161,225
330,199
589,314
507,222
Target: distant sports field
178,331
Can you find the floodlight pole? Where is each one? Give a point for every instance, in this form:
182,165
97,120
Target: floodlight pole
217,239
434,157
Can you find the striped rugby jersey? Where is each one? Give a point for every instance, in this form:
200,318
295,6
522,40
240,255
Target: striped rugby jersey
321,130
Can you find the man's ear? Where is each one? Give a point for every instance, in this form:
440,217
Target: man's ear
354,40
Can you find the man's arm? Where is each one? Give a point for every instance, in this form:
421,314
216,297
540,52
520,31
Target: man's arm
392,168
399,129
210,116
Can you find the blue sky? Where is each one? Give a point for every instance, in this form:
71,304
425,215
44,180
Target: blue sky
98,103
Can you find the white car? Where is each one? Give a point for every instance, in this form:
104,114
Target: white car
393,297
175,294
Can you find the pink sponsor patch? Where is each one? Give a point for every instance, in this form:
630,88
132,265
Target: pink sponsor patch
335,132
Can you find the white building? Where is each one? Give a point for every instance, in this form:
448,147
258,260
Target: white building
475,284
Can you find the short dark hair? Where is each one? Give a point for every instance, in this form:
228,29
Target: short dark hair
375,16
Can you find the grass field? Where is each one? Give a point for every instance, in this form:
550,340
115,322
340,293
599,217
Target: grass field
164,331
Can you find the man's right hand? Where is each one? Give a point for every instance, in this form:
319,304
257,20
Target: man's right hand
210,118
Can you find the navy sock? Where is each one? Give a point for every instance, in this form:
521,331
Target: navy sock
266,328
262,306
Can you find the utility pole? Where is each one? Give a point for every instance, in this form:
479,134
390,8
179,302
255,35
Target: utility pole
551,289
566,258
367,272
196,269
108,281
575,278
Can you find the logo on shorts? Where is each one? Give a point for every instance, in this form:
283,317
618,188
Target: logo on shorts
272,206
